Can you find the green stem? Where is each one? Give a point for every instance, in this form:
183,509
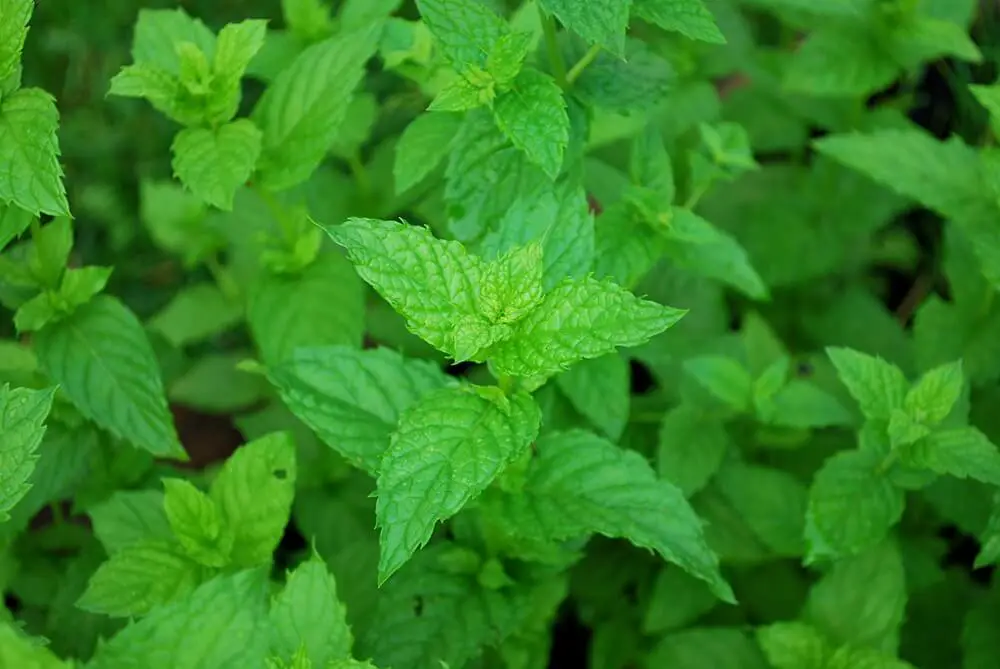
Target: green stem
582,64
552,46
696,196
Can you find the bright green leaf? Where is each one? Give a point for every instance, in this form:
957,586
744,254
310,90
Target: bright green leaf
533,115
30,173
466,30
196,523
599,389
932,397
962,452
421,148
213,164
878,386
688,17
602,22
22,426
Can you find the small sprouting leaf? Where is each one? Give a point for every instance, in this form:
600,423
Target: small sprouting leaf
877,385
102,360
353,399
852,505
22,426
302,110
159,31
214,163
307,614
30,173
447,449
236,46
253,493
533,115
579,319
136,579
512,284
932,398
507,57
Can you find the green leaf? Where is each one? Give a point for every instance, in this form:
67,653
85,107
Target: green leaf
507,57
577,320
466,30
22,426
533,115
309,20
139,578
852,505
253,493
772,502
30,174
196,522
989,98
580,483
677,600
688,17
282,308
599,389
878,386
932,398
839,61
421,148
920,39
158,31
446,450
903,429
431,282
215,163
724,378
130,517
602,22
861,600
794,645
13,30
801,404
301,111
989,539
707,648
102,360
236,46
223,623
963,452
353,399
13,222
512,284
700,247
196,313
470,91
691,447
638,83
307,614
19,650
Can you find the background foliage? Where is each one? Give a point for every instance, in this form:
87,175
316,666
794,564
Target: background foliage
816,183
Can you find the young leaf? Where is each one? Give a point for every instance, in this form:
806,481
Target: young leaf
577,320
580,483
466,30
236,46
512,284
421,148
309,20
139,578
446,450
877,385
688,17
691,448
306,614
852,505
282,308
159,31
932,398
794,645
507,56
353,399
22,426
130,517
223,623
429,281
301,112
533,115
599,389
195,522
861,600
253,493
30,173
214,163
963,452
102,360
602,22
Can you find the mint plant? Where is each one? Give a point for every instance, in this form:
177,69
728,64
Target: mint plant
402,334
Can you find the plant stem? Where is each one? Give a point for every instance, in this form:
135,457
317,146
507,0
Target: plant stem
552,46
582,64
